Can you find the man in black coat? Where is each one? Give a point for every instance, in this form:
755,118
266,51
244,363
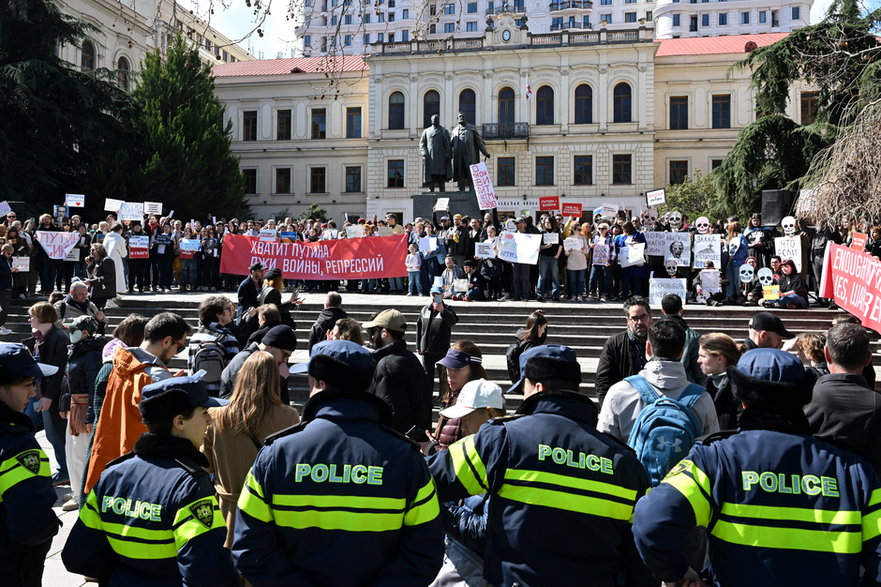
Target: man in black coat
399,378
280,342
623,354
249,290
844,408
434,329
327,318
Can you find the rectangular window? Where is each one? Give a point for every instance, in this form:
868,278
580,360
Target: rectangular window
629,1
367,38
505,167
605,2
606,18
678,112
405,35
472,8
318,180
307,41
353,179
723,19
333,20
395,173
347,19
678,171
471,26
347,40
629,17
648,15
250,180
380,37
391,37
353,123
744,18
366,18
319,123
583,172
715,163
675,20
796,13
449,9
380,17
391,17
544,171
622,169
449,27
809,106
722,111
432,29
225,56
432,10
692,24
249,125
763,17
283,180
405,14
705,20
283,125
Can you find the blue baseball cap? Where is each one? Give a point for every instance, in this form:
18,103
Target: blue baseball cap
771,379
771,365
192,385
18,360
352,354
560,352
455,359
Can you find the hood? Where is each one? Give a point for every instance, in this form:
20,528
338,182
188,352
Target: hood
332,314
665,374
110,349
85,346
128,360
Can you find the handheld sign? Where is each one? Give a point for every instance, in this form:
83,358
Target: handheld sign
153,208
442,204
133,211
859,241
74,200
484,250
572,209
549,203
4,208
111,205
483,187
654,198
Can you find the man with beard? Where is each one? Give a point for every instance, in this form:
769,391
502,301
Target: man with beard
623,354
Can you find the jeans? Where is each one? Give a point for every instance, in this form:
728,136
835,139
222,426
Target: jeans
631,282
415,285
396,284
576,282
548,275
521,281
188,273
54,425
598,284
797,301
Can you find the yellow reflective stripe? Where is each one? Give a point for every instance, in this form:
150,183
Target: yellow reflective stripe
89,513
340,501
566,481
425,506
787,513
560,500
137,533
464,456
187,525
694,485
874,498
872,525
12,472
251,501
789,538
141,550
339,520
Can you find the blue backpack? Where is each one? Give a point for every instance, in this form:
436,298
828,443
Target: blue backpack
665,428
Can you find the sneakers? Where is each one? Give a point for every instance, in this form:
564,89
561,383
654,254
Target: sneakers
71,506
110,304
4,331
58,479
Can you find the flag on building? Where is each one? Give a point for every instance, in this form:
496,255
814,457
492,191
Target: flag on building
528,91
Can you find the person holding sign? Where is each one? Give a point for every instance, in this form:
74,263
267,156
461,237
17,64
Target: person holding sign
793,290
46,266
600,270
6,272
548,265
632,275
576,263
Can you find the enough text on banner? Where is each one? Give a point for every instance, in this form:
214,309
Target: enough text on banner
483,187
57,244
363,258
853,279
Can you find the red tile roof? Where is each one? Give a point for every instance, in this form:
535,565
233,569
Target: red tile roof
291,66
714,45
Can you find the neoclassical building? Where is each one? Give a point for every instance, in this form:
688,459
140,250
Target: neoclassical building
611,114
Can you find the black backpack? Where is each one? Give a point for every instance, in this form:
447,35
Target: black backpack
210,357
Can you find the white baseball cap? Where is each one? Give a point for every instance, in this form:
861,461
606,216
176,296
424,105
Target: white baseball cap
479,393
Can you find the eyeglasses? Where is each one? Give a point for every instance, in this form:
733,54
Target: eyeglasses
640,318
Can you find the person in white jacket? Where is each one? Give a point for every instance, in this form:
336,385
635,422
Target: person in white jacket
117,250
666,374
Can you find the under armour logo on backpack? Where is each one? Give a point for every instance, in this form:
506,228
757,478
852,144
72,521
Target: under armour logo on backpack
664,443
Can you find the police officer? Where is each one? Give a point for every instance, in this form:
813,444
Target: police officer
26,493
781,507
341,498
562,492
152,519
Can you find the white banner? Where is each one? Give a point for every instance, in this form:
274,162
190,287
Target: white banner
153,208
655,243
678,247
484,250
57,244
133,211
518,247
139,242
658,288
654,198
632,255
707,247
789,247
483,187
74,200
21,263
111,205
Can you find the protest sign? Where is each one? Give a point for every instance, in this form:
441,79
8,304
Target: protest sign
385,230
355,231
483,187
606,211
600,254
858,243
571,210
57,244
59,211
111,205
153,208
771,292
573,243
74,200
658,288
549,203
632,255
789,247
550,238
654,198
363,258
678,247
326,235
655,243
21,263
519,247
484,250
4,208
442,204
460,285
711,281
853,279
427,243
73,255
287,237
190,244
133,211
268,235
139,247
707,247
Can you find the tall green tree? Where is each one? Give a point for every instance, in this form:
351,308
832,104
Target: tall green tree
59,125
695,197
189,165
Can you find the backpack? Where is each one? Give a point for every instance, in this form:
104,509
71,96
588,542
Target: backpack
665,428
210,356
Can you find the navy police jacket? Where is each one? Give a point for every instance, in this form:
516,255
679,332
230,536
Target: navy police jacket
562,495
152,519
26,499
340,499
781,509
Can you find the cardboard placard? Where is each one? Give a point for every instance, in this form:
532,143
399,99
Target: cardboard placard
287,237
190,244
153,208
711,281
655,243
428,243
606,211
678,247
707,247
519,247
654,198
21,263
133,211
789,248
484,250
658,288
573,243
4,208
139,247
268,235
771,292
442,204
483,187
549,203
460,285
858,243
572,210
355,231
600,254
385,231
74,200
111,205
632,255
550,238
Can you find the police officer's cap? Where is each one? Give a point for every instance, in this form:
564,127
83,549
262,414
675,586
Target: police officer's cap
771,379
17,361
558,352
176,395
353,355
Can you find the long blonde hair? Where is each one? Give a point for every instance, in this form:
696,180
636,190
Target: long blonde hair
256,392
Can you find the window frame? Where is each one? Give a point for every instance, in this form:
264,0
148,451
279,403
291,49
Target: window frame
397,118
578,167
397,181
544,166
622,169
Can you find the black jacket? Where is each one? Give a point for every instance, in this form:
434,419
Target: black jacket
103,283
270,295
615,364
83,364
53,351
434,331
401,382
728,407
247,294
845,410
324,324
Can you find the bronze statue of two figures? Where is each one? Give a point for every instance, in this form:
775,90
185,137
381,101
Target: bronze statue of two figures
449,158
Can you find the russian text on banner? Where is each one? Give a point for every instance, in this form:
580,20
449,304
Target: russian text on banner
483,187
57,244
361,258
853,280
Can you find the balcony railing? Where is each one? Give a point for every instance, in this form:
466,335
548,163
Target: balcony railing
565,26
431,46
506,130
571,4
518,6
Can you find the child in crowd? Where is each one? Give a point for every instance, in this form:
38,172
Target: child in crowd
414,264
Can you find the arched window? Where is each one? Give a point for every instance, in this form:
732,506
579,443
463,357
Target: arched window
87,60
123,73
583,104
467,105
544,105
430,106
506,106
396,110
622,103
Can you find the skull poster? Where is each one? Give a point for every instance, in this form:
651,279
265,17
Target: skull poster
766,276
788,225
678,247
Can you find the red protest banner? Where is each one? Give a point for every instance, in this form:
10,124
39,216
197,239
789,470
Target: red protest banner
853,279
351,258
572,210
859,241
548,203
